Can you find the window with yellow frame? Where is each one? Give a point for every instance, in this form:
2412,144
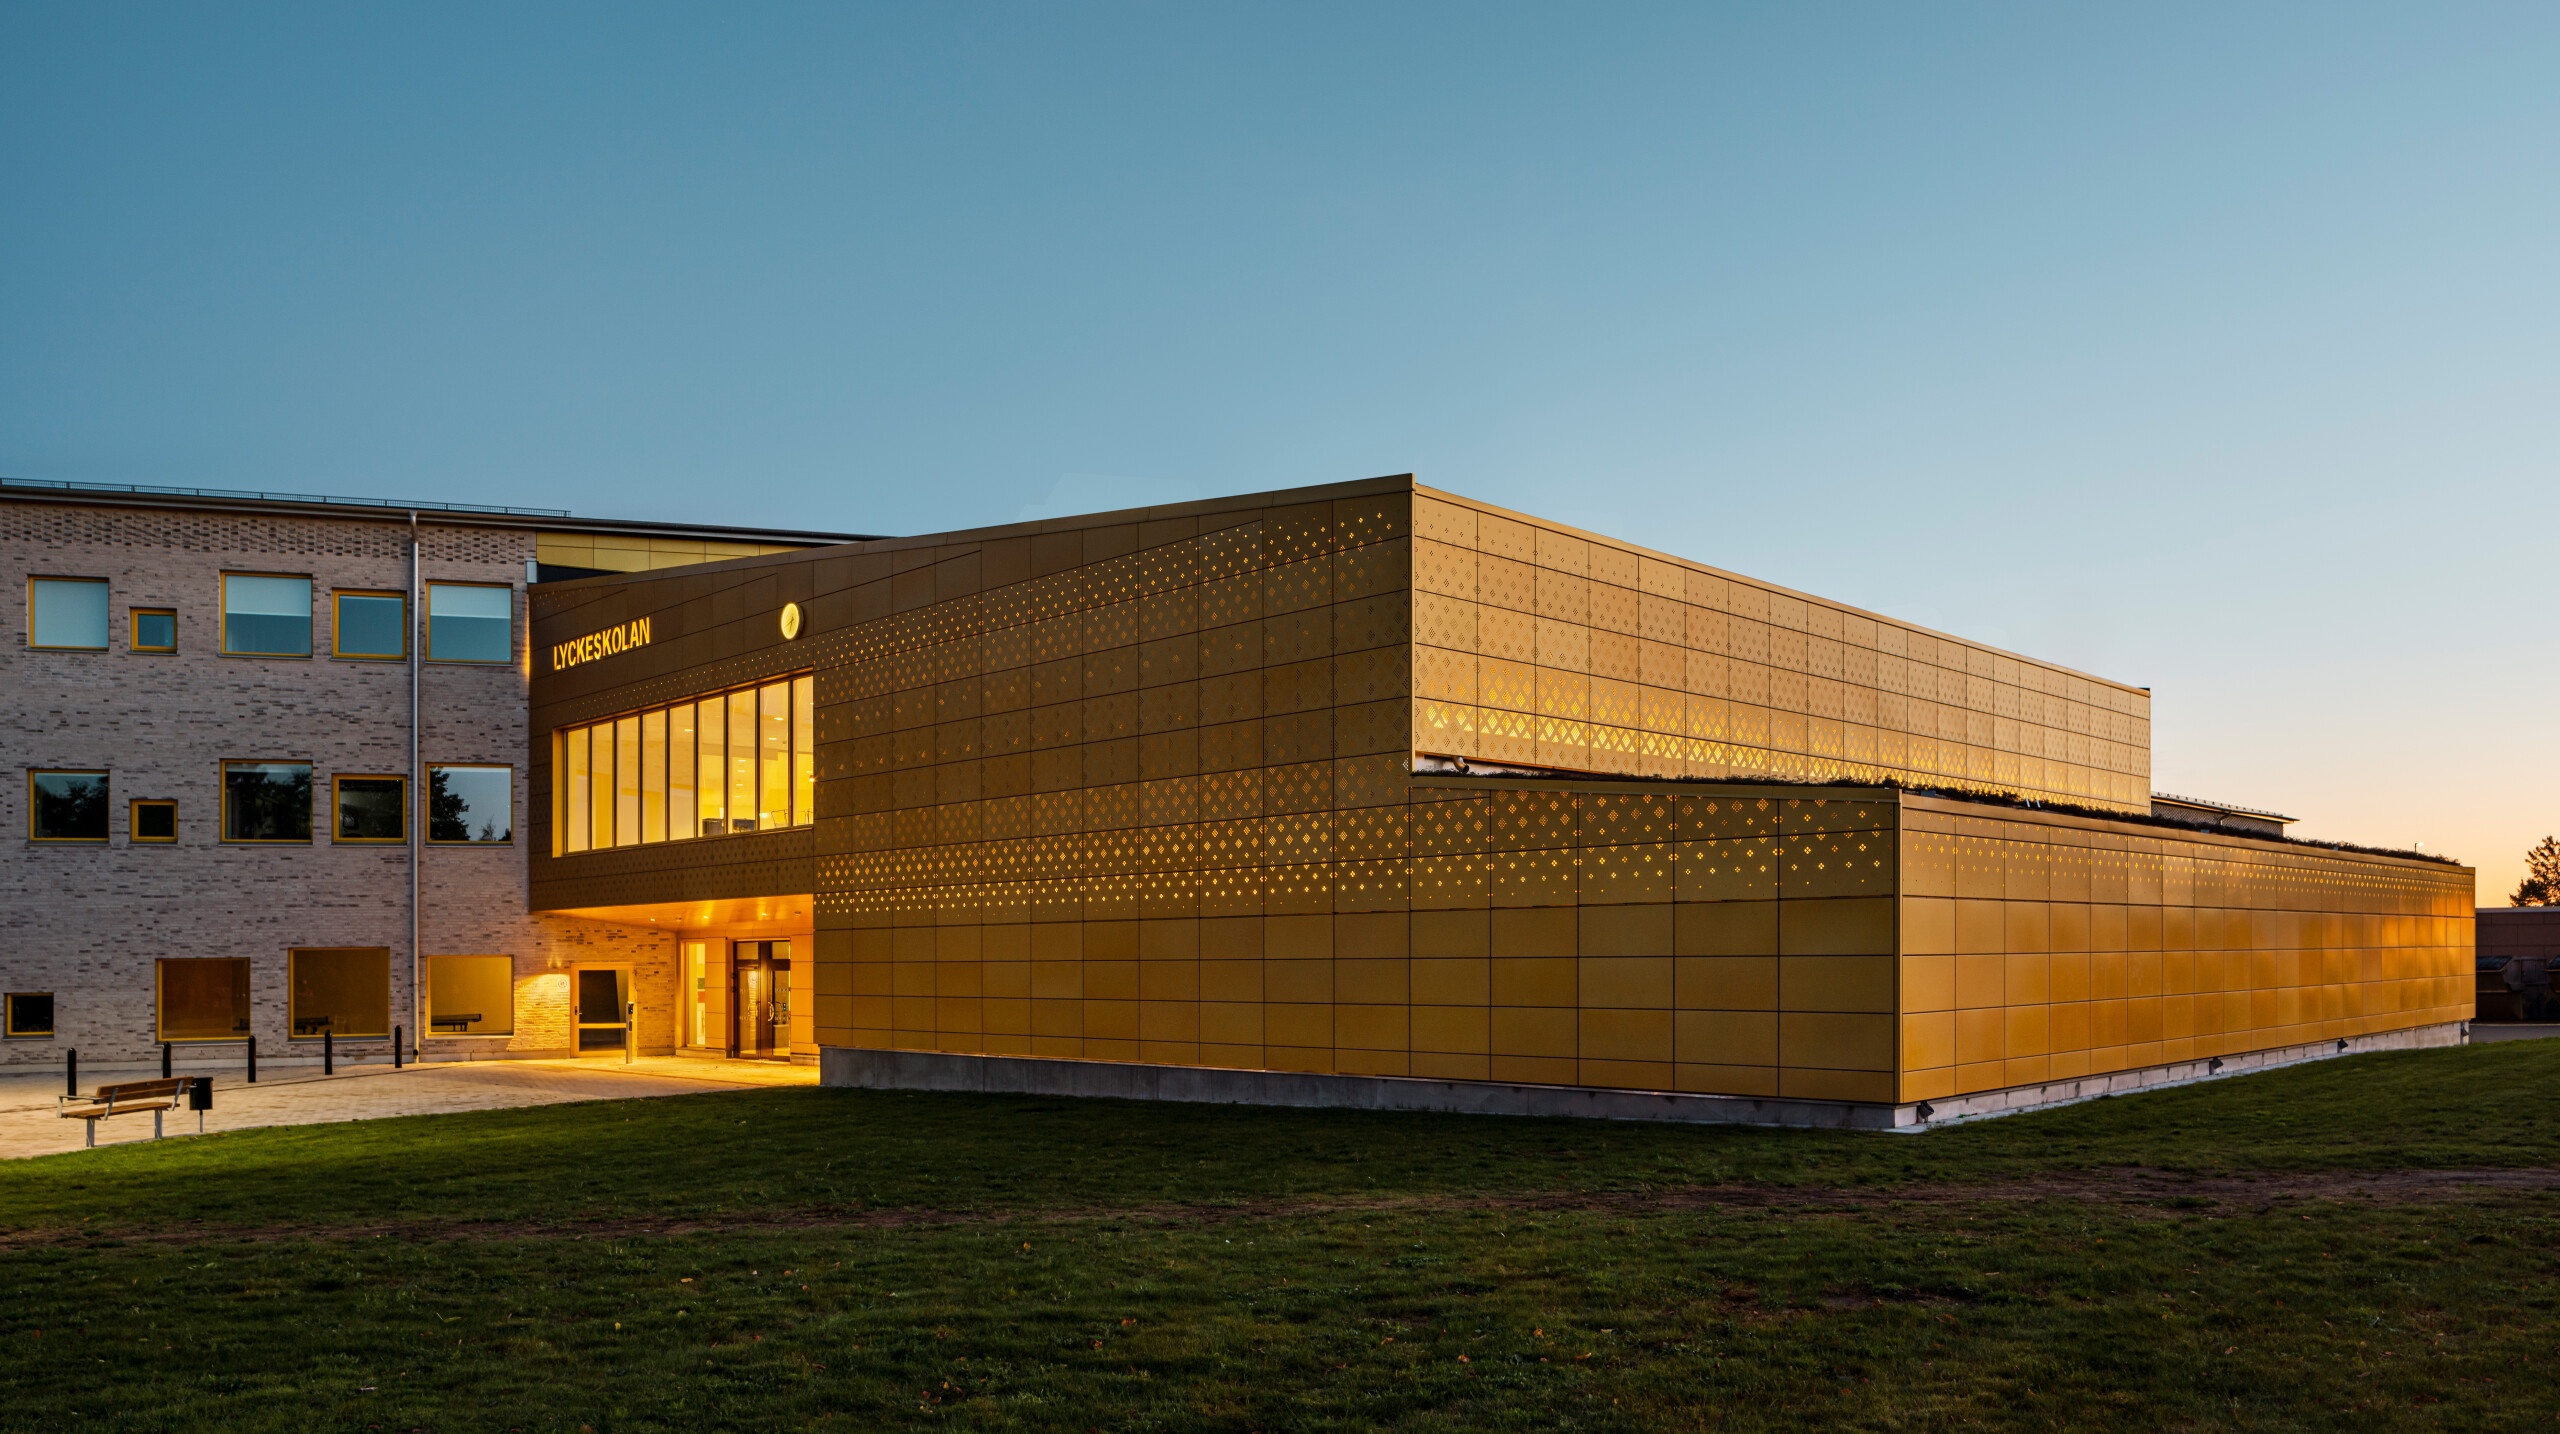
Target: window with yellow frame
30,1015
342,991
471,622
154,629
471,996
266,615
152,821
266,802
726,764
67,806
369,626
67,614
369,809
203,998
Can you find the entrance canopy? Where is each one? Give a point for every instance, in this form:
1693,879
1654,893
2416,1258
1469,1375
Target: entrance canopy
741,917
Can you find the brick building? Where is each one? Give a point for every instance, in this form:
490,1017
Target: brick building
207,718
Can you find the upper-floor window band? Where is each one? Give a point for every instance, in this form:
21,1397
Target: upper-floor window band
265,615
471,622
67,613
738,761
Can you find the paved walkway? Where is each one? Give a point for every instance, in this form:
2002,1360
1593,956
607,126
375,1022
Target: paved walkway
2520,1031
303,1096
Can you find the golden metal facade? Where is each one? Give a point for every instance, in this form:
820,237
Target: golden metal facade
2040,948
1142,787
1540,645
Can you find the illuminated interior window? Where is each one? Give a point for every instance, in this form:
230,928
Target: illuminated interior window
341,992
471,996
574,779
204,998
773,756
653,776
739,761
712,745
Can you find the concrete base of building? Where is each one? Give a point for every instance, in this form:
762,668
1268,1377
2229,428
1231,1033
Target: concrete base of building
863,1068
1216,1085
1983,1104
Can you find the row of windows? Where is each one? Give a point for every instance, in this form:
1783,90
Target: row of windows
342,991
738,761
270,615
271,802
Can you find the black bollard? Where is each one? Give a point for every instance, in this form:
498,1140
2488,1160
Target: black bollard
253,1060
71,1071
164,1060
328,1053
395,1048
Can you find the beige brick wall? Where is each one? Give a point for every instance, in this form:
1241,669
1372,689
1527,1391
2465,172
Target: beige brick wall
88,922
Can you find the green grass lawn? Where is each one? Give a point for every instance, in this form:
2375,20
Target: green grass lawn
2366,1243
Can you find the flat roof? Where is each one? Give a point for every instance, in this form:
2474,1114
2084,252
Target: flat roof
149,495
2226,808
1408,483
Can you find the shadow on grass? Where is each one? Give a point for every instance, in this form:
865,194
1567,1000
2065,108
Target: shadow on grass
777,1152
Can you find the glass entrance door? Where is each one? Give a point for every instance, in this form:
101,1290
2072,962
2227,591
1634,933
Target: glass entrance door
762,1000
603,1009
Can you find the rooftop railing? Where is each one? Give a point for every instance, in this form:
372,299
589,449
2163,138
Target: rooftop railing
74,486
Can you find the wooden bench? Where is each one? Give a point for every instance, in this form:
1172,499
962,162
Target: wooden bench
131,1098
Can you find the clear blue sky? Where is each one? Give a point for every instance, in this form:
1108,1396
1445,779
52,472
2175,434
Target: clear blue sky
2207,347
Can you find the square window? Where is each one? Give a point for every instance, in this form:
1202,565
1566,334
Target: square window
471,996
68,613
204,998
342,991
471,804
153,822
266,801
155,629
470,622
371,809
30,1013
371,625
264,615
67,806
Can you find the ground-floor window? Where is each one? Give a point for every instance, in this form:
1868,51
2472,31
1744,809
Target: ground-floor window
697,993
204,998
471,995
341,991
30,1013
